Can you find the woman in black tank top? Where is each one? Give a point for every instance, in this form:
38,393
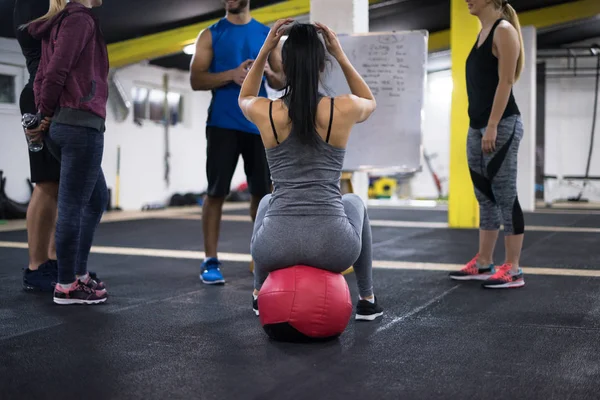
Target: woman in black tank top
493,66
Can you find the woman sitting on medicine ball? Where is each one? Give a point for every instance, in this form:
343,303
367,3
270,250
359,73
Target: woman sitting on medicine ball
306,220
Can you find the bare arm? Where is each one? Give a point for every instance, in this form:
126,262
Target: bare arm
362,100
362,97
248,99
274,69
506,40
200,78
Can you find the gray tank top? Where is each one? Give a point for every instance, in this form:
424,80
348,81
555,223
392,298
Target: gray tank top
306,179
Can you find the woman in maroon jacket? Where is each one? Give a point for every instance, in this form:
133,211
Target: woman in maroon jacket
71,90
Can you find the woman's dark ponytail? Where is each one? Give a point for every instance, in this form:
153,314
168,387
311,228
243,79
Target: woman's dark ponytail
303,56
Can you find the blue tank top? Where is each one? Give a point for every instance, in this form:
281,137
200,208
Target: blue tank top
232,45
306,179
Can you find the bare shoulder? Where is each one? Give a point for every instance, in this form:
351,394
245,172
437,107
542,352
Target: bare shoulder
256,109
505,31
355,109
347,103
203,55
204,37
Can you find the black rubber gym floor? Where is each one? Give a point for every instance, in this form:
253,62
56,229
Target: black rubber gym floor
542,218
163,334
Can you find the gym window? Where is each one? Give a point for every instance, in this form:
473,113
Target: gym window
149,104
11,84
7,89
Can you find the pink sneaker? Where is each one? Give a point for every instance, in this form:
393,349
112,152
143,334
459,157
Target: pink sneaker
472,271
79,293
504,279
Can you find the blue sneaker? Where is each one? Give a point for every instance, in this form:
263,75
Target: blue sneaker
41,280
211,272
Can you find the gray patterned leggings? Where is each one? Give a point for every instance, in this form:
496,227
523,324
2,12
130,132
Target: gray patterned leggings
494,177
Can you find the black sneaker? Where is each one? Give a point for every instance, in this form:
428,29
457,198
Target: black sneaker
41,280
79,294
367,311
255,305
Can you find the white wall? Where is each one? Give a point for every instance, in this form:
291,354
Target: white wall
142,148
436,136
526,95
569,110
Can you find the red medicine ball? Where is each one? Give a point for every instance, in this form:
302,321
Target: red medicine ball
302,303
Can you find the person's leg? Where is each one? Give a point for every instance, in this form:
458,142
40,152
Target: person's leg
40,275
260,274
363,266
502,170
81,158
41,218
222,154
481,267
257,172
367,308
212,210
92,214
52,244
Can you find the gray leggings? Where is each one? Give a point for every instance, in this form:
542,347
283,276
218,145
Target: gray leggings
494,177
331,243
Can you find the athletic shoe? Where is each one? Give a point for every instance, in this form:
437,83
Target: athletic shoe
504,279
367,311
255,305
96,285
472,271
211,272
79,293
41,280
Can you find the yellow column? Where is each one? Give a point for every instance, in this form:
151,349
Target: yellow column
463,210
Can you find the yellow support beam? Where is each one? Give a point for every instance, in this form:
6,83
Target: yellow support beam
174,40
540,18
463,210
439,41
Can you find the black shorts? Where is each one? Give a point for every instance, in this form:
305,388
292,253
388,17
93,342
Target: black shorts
43,167
223,150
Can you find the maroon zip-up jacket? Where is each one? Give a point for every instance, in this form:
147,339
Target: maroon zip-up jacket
71,84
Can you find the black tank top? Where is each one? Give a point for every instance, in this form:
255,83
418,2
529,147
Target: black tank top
482,81
25,11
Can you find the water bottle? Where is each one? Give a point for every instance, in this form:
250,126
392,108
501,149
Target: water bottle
32,121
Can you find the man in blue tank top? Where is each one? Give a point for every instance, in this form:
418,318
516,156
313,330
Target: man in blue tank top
224,53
